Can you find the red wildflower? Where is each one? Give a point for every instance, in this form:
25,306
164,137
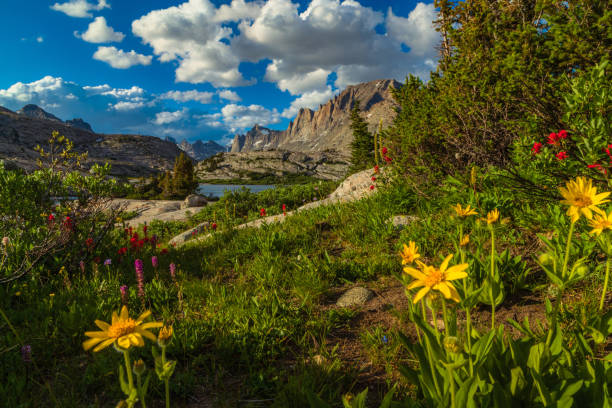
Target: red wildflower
214,226
164,251
536,147
384,150
262,212
598,167
562,155
122,251
562,134
373,178
144,229
371,187
376,169
51,217
553,139
89,243
388,159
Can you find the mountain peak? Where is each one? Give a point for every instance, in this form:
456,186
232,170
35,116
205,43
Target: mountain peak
200,150
36,112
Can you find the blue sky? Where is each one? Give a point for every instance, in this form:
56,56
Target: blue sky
203,69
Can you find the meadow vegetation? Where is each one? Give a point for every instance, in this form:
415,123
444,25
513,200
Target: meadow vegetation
494,292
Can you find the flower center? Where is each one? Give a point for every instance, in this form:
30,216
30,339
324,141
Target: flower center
121,328
583,201
434,277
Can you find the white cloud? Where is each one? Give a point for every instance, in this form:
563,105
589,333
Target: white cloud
80,8
229,95
238,10
163,118
188,34
23,92
416,31
111,110
304,48
40,39
238,117
309,100
120,59
126,106
99,32
297,84
185,96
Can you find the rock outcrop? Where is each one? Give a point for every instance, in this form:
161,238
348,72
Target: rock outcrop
199,150
36,112
80,123
244,165
328,128
258,138
129,155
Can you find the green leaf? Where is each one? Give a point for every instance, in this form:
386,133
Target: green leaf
517,380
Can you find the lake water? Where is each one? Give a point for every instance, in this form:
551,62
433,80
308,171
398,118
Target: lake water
217,190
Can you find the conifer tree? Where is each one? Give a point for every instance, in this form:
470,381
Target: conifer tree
183,179
362,147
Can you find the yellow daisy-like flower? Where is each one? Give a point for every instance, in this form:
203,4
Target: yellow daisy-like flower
124,331
410,253
165,335
464,212
432,278
601,223
492,216
464,240
582,198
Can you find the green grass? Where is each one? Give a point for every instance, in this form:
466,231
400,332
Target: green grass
255,321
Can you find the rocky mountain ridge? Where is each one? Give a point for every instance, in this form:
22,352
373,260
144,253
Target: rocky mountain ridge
200,150
244,165
328,128
129,155
36,112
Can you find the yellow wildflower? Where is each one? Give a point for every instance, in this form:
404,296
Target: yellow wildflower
492,216
432,278
464,212
464,240
582,198
124,331
601,223
164,335
410,253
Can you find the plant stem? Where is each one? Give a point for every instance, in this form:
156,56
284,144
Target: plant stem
431,366
452,385
445,317
491,277
128,368
140,394
167,380
468,319
567,250
605,287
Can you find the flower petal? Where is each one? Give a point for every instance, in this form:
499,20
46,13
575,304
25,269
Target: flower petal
103,345
97,334
151,325
456,272
445,262
415,273
102,325
443,288
89,343
143,316
420,294
124,313
147,334
415,284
